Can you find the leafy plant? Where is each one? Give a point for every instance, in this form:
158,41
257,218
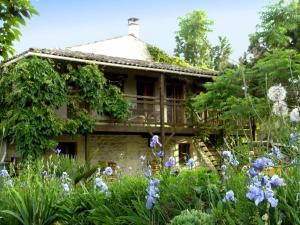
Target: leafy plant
192,217
13,14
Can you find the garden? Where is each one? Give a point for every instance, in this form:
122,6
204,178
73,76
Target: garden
264,189
257,102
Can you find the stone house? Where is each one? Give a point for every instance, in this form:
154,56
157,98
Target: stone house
157,92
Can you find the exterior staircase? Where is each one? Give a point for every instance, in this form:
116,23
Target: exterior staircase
210,157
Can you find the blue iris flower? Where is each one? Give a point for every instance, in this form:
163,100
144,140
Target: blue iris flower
108,171
154,141
229,196
260,163
170,162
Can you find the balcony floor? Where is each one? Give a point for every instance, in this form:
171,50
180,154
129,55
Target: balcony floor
143,128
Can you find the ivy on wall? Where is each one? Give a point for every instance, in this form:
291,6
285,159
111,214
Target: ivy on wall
32,90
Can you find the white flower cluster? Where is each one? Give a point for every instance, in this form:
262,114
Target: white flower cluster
294,115
277,94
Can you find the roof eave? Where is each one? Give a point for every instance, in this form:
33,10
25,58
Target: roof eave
88,61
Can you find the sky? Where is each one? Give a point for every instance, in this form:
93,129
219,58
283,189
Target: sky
63,23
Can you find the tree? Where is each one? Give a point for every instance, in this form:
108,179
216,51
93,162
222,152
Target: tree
279,28
191,38
12,14
220,54
193,45
240,95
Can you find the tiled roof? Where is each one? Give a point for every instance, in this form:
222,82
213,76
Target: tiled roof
96,58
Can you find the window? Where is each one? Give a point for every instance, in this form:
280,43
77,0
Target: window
184,152
68,148
116,79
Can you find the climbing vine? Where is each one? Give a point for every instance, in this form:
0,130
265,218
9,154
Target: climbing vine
32,90
159,55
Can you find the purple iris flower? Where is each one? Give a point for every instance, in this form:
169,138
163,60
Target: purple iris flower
256,194
291,143
148,173
293,135
150,202
98,182
108,171
190,163
152,191
66,188
276,151
100,185
154,141
44,173
160,154
265,180
170,162
252,172
104,188
227,154
4,173
269,194
57,150
231,158
276,181
261,162
229,196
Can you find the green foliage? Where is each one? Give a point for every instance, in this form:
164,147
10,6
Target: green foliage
191,197
192,217
279,28
30,92
192,43
191,38
88,84
240,95
13,13
220,54
114,104
31,199
159,55
126,202
286,195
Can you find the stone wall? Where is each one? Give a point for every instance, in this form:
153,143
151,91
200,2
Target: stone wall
124,150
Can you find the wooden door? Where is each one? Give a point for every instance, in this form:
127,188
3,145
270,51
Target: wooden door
175,107
145,88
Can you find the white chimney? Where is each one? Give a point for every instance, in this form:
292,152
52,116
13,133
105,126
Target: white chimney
134,27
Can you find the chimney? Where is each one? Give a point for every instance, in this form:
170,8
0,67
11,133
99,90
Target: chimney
134,27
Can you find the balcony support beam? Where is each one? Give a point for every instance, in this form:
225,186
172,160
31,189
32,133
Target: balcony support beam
162,108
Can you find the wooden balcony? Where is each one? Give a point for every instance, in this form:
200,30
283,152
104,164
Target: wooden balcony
146,117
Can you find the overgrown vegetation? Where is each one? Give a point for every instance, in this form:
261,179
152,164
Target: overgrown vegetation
82,203
31,92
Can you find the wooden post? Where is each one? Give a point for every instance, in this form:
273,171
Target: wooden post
162,109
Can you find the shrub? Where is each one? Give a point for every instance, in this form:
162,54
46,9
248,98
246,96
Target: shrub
192,217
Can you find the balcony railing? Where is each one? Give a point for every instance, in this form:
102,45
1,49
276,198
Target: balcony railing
145,110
